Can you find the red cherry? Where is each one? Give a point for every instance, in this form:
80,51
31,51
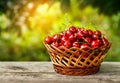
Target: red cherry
48,40
90,32
68,33
80,34
94,36
72,38
84,46
73,29
76,44
67,44
75,35
64,38
86,33
97,32
95,43
56,37
88,39
105,41
80,29
61,34
55,44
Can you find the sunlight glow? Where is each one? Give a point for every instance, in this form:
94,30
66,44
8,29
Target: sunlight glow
45,17
30,5
42,9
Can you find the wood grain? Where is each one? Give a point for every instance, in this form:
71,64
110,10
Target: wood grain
43,72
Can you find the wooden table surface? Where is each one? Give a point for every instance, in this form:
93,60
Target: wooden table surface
43,72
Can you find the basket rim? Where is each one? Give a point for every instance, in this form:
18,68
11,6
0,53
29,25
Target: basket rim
109,45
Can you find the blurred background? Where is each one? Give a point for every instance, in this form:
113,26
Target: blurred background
25,23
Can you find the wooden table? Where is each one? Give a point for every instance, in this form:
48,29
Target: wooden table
43,72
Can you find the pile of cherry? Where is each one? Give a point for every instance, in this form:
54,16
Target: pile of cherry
77,37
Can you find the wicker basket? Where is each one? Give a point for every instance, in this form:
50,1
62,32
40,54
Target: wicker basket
76,61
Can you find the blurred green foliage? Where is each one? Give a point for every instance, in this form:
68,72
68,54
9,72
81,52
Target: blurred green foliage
107,7
25,23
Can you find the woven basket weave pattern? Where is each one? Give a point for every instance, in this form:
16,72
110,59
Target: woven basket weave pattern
76,71
63,58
